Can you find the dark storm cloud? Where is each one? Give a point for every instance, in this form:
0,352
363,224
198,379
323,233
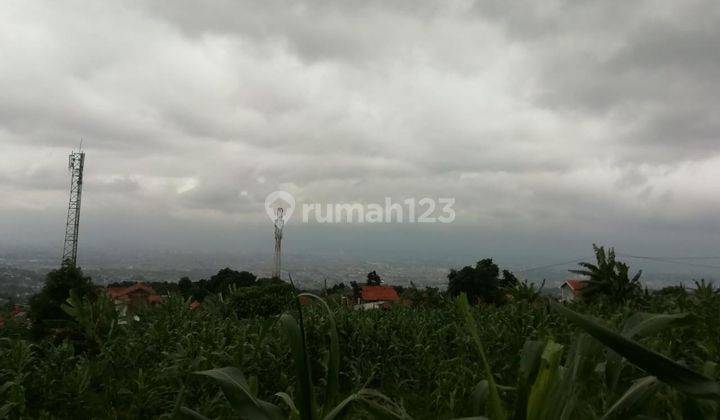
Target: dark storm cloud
534,115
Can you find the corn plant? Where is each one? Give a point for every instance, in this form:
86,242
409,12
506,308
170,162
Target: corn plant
241,394
547,389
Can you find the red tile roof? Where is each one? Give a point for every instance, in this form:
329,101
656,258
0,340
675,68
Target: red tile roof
575,285
124,293
377,293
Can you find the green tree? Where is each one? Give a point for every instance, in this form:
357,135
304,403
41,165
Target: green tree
478,283
508,280
373,279
608,278
185,286
226,277
261,301
46,305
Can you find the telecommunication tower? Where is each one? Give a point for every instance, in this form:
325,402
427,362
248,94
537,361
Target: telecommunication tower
279,224
76,163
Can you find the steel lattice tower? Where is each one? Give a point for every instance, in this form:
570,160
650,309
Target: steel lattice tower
75,165
279,224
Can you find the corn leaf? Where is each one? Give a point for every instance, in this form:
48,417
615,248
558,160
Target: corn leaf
495,407
237,391
638,393
665,369
306,400
529,364
379,405
643,324
333,361
539,402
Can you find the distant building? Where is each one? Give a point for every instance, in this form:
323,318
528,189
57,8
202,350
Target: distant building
17,313
374,297
571,289
135,295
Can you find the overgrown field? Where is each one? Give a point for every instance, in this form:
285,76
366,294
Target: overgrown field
421,357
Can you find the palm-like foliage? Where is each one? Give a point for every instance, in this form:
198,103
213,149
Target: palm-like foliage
608,277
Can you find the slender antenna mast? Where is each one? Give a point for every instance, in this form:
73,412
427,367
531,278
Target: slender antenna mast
76,162
279,224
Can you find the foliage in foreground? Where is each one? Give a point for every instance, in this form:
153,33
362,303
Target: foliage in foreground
416,357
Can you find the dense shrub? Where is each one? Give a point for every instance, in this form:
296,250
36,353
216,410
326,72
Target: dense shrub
46,305
261,301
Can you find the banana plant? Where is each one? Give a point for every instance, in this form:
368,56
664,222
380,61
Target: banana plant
303,404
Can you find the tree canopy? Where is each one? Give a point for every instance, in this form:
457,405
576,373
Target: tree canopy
58,284
482,282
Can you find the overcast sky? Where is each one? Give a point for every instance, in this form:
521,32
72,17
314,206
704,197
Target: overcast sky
544,119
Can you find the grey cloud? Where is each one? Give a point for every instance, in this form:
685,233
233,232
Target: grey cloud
534,115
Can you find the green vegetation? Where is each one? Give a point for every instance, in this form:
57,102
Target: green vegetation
608,278
45,307
482,282
255,351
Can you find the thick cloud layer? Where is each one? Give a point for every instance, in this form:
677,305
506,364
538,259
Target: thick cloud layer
553,117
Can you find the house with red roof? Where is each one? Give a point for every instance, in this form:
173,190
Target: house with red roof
134,295
380,296
571,289
17,313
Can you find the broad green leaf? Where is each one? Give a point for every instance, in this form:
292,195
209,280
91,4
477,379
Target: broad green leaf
294,413
333,362
339,410
189,413
237,391
495,407
529,364
479,397
638,393
539,401
304,386
379,405
471,418
643,324
654,363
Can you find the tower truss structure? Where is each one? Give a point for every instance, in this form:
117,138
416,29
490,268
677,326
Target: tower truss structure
76,163
279,224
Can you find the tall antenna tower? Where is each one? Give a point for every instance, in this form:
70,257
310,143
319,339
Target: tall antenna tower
279,224
76,162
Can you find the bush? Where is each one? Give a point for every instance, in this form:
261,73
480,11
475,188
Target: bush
261,301
46,305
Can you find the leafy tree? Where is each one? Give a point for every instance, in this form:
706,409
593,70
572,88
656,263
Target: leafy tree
508,280
478,283
185,286
46,305
526,291
608,278
373,279
262,301
224,278
337,288
357,290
